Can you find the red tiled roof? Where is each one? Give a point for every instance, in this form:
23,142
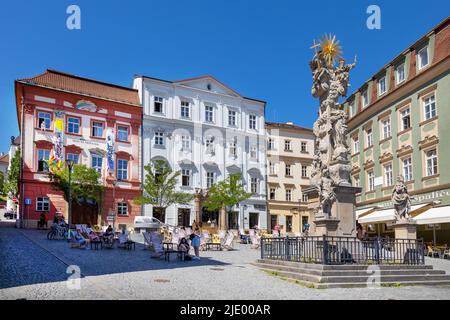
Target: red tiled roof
75,84
4,158
286,126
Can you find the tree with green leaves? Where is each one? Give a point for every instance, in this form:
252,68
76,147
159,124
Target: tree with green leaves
159,188
85,182
11,185
223,194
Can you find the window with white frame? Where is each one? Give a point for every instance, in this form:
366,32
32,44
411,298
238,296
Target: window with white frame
122,169
72,157
232,118
304,171
254,152
288,194
429,106
405,116
352,108
252,122
43,157
381,85
305,197
42,204
209,144
400,73
254,185
233,149
287,145
185,109
407,169
159,138
122,209
423,57
272,169
44,120
185,143
73,125
96,162
185,177
288,170
97,129
432,162
272,193
158,104
356,181
270,144
209,113
365,98
355,144
371,180
303,146
386,126
210,179
388,176
122,133
369,137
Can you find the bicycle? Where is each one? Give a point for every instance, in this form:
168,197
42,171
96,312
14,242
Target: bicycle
57,233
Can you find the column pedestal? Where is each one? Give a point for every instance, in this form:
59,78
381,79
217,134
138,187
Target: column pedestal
405,230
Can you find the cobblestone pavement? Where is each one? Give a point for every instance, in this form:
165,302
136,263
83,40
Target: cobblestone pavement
33,267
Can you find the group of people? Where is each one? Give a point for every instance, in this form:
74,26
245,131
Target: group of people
87,235
194,237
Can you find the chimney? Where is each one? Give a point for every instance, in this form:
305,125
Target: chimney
290,123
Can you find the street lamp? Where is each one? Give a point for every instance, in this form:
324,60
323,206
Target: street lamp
70,166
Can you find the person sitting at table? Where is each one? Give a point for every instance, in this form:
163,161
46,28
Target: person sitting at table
184,247
82,241
109,234
91,234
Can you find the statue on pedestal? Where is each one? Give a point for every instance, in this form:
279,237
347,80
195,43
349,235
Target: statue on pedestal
331,166
401,200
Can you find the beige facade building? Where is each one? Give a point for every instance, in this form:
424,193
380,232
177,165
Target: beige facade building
290,150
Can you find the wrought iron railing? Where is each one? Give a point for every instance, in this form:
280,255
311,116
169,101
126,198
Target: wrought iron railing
343,250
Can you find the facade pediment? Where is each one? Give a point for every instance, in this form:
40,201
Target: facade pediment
208,83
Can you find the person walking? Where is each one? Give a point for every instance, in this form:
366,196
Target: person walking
195,242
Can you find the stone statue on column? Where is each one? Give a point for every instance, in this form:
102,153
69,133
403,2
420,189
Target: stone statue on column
401,200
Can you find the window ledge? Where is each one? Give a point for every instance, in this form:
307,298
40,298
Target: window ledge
430,177
370,192
355,154
368,148
428,121
97,138
44,130
73,134
385,139
404,131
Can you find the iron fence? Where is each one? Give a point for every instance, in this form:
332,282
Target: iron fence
343,250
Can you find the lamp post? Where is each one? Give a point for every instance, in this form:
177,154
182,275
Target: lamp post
69,220
114,183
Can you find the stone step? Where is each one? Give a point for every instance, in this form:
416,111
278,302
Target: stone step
344,266
364,272
357,279
445,283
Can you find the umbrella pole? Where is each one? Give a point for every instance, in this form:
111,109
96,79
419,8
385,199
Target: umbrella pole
434,235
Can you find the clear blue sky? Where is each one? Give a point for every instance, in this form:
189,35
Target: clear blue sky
259,48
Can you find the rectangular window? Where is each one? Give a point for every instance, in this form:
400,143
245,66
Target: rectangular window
386,125
288,195
42,204
288,170
122,133
381,86
43,157
388,175
233,151
356,181
254,152
44,120
158,105
304,171
122,209
288,223
209,114
432,162
252,122
429,104
185,143
73,125
355,145
185,109
371,180
287,145
304,197
73,157
97,163
209,179
232,118
272,168
352,108
254,185
407,169
406,118
122,169
303,146
97,129
209,143
400,73
159,138
272,193
423,57
185,177
369,137
365,98
270,144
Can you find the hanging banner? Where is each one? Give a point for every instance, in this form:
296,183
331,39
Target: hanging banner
56,154
110,149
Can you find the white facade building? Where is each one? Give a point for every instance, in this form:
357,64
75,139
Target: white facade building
207,131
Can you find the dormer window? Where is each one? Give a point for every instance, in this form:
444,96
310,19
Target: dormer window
381,85
365,98
400,74
423,57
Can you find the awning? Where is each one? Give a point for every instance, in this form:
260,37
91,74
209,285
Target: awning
363,211
434,216
387,215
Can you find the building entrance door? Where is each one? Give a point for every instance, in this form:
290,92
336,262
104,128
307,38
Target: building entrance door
84,212
184,217
159,214
254,219
233,220
273,221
